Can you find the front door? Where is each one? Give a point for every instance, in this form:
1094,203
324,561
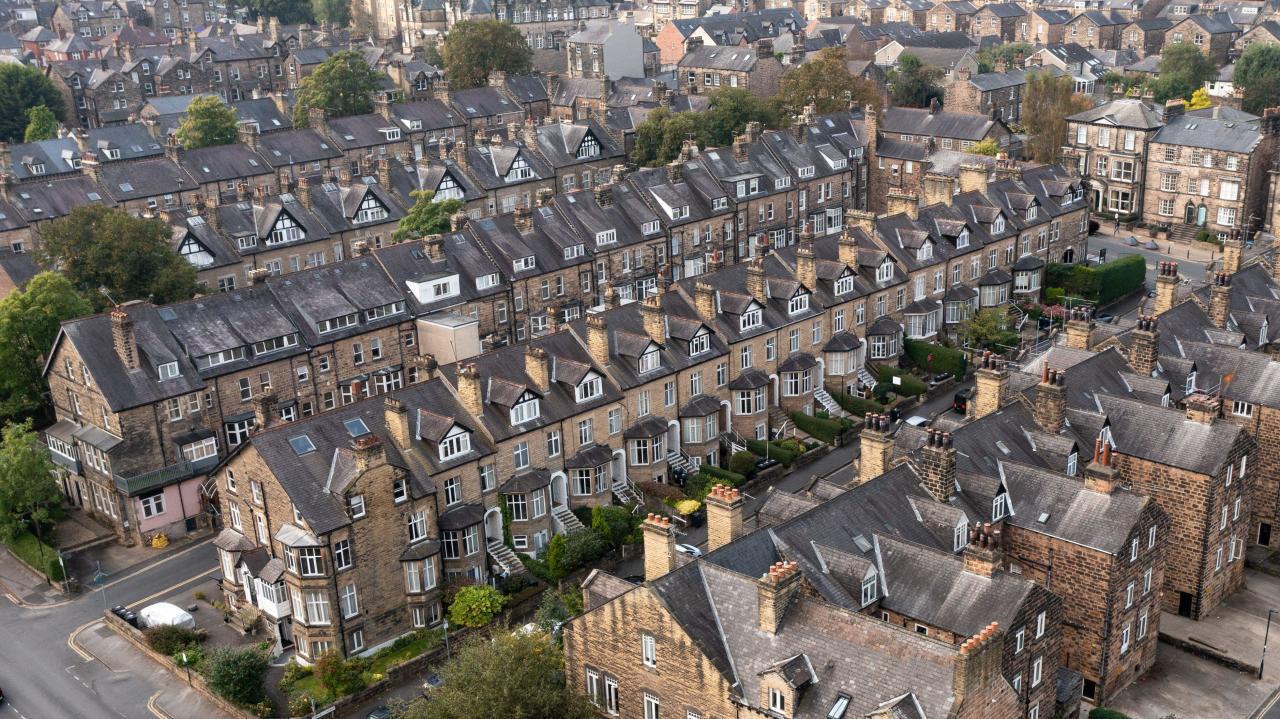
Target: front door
1201,215
1189,215
1184,604
1264,534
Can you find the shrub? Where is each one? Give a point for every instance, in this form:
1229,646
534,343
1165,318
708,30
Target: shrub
945,359
238,675
658,490
824,429
538,568
1101,284
857,406
743,463
1054,295
573,551
725,476
300,705
340,676
477,605
685,507
910,386
170,640
698,485
293,671
1102,713
774,450
614,525
191,656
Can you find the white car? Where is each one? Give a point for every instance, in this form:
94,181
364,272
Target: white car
917,421
164,614
689,549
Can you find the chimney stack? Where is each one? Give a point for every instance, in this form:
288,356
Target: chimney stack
973,177
1203,408
756,284
984,554
654,323
705,299
659,547
469,390
123,337
264,410
1144,347
598,339
774,591
522,218
903,203
1079,328
1232,250
1051,399
724,516
806,262
991,378
1100,474
1166,286
1220,300
876,445
938,189
369,452
384,172
938,465
538,367
847,245
396,416
978,663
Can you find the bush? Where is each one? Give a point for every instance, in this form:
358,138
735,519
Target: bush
238,675
774,450
568,552
742,463
171,640
824,429
729,477
33,552
1054,295
910,386
477,605
1101,713
615,525
857,406
340,676
293,672
538,568
1101,284
658,490
685,507
945,359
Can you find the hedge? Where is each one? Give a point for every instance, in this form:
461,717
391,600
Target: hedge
774,451
945,359
824,429
723,476
910,387
1101,284
857,406
40,556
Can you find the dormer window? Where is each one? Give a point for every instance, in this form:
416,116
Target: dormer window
799,303
381,311
456,444
1031,212
275,344
962,240
998,226
523,264
37,168
370,210
805,172
751,319
1073,460
1000,507
168,370
390,133
720,203
679,213
285,230
484,282
448,189
884,272
606,237
526,410
781,183
960,536
700,344
755,185
650,360
520,170
112,153
844,285
925,251
336,323
741,188
870,587
590,147
573,252
589,388
652,227
1191,383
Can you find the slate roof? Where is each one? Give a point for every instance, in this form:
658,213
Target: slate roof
1124,112
920,121
1224,135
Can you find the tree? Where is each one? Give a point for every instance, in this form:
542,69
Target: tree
988,329
238,675
340,676
29,322
1200,100
208,122
1257,73
824,81
731,109
988,147
28,492
661,135
97,246
23,87
614,525
1183,69
558,607
333,12
474,48
1009,52
426,217
1047,102
915,84
476,605
41,124
481,680
343,85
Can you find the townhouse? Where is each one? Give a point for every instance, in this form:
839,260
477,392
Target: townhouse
951,16
989,94
1145,37
1096,29
997,19
705,68
728,30
1212,35
1109,145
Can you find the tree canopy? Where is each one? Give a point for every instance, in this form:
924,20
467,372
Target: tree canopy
1008,51
334,12
426,217
474,48
23,87
915,84
1047,102
342,85
207,122
661,135
28,492
41,124
1258,74
29,321
1183,69
825,82
105,247
480,681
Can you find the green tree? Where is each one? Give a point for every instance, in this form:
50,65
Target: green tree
1047,101
340,676
237,674
105,247
342,85
336,13
474,48
824,81
476,605
661,135
481,681
1009,52
1258,74
574,551
1183,69
207,122
28,492
915,84
989,329
614,525
21,88
29,322
41,124
731,109
558,607
988,147
426,217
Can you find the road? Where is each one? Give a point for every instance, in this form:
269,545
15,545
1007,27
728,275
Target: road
44,678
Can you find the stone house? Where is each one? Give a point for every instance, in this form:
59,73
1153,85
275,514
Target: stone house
1096,29
1046,27
951,16
704,69
606,48
997,19
1110,146
1213,35
1145,37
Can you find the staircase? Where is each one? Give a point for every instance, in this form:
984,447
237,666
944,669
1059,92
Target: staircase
1182,232
777,418
865,378
681,461
505,558
828,402
567,521
625,492
735,441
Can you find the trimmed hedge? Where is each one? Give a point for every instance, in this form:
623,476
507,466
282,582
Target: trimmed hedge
856,406
824,429
945,359
910,387
1102,284
723,476
774,451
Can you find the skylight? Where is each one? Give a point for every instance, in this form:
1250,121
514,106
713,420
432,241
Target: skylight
356,427
302,444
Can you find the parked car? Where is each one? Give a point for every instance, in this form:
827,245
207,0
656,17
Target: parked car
635,579
164,614
918,421
689,549
960,402
1106,318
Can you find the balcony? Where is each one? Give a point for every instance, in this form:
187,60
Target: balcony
164,476
272,598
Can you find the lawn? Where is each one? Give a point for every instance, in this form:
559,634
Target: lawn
43,557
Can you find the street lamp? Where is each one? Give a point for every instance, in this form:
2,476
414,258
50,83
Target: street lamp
447,653
1265,636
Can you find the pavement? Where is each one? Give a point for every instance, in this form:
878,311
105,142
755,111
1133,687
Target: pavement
1183,685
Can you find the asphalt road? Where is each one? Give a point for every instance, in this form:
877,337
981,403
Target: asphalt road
44,678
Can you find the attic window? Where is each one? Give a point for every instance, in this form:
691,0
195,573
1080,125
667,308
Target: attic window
356,427
590,147
168,370
93,197
1043,518
869,587
861,543
884,272
805,172
390,133
962,240
302,444
751,319
126,187
998,226
523,263
925,251
839,708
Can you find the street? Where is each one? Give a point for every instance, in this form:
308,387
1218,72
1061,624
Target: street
46,678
